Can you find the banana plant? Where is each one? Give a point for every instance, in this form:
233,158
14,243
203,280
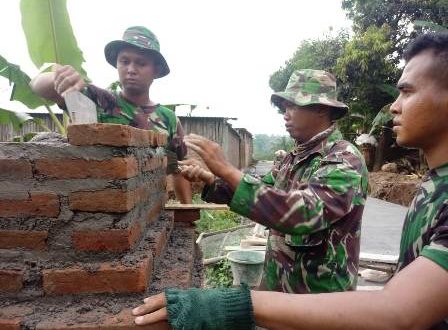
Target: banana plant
50,39
21,92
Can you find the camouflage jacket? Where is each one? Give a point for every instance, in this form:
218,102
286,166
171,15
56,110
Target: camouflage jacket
313,210
425,229
113,108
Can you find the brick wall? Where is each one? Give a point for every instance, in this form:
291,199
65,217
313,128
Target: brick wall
84,219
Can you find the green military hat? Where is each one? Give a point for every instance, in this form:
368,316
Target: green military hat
307,87
141,38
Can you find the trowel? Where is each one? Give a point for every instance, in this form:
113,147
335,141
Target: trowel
81,109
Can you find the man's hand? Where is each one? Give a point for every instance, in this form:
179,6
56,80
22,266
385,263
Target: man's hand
192,170
67,79
152,311
210,152
213,156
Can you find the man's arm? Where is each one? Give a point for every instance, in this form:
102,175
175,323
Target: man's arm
333,190
182,188
54,85
414,299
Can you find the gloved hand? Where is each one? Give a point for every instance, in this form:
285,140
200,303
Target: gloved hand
213,309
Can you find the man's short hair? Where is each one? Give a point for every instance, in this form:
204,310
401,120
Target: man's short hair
437,44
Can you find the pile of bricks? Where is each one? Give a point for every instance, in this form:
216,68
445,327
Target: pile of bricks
83,233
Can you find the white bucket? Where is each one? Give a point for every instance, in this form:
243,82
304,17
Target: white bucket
247,267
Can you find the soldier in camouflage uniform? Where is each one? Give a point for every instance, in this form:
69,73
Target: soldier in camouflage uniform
416,297
138,61
313,201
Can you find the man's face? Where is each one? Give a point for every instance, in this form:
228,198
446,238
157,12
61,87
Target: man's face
421,110
300,122
136,70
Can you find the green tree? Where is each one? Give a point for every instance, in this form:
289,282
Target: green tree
265,145
367,74
320,54
398,15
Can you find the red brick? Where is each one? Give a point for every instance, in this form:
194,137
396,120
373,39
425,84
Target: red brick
154,213
15,169
107,200
187,215
109,277
39,204
11,316
125,321
106,134
11,280
115,168
10,324
161,139
61,325
152,163
160,238
121,321
152,139
32,240
114,240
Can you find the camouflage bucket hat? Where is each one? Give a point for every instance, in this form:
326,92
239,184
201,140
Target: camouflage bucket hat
307,87
141,38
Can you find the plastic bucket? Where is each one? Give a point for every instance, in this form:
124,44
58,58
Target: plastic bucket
247,267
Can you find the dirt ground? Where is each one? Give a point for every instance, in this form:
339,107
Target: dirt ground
393,187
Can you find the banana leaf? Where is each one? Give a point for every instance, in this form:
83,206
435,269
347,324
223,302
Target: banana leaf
49,34
381,119
21,90
17,119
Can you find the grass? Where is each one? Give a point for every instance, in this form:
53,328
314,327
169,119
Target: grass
215,220
219,274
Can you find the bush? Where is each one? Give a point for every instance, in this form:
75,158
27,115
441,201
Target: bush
215,220
219,275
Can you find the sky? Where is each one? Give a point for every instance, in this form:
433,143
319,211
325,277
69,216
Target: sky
221,53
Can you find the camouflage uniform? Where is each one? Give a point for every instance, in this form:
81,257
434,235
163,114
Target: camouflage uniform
112,108
313,206
425,230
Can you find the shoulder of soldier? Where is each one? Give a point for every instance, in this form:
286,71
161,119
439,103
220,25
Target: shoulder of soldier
343,151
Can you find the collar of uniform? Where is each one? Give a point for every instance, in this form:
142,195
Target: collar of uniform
144,108
317,144
440,171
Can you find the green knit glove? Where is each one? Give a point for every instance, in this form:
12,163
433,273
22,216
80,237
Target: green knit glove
213,309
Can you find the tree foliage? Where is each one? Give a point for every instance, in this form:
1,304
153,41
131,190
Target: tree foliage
367,72
398,15
265,145
367,64
319,54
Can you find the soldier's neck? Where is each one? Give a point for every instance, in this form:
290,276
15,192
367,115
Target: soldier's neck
140,99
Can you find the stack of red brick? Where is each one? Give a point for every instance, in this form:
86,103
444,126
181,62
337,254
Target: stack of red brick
83,231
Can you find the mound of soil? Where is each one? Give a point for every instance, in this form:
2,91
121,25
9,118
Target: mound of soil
393,187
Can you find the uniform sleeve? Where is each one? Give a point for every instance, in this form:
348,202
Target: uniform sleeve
331,193
437,250
105,101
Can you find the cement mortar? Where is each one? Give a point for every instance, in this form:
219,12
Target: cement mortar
99,308
33,262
